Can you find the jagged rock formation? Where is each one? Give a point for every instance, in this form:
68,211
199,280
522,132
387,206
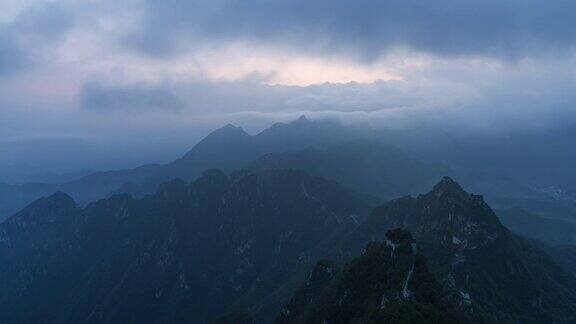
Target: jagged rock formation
389,283
493,274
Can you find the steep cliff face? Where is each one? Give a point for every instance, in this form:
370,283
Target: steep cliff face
494,274
189,253
389,283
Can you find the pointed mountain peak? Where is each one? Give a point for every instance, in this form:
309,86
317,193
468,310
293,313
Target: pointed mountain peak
301,119
229,129
447,186
60,196
227,132
48,209
219,143
61,199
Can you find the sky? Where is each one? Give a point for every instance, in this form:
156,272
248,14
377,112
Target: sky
112,84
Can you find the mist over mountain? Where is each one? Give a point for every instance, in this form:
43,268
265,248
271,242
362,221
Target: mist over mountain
363,159
318,162
540,159
227,148
364,165
550,230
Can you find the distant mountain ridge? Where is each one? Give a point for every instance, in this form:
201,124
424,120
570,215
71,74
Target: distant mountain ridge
227,148
364,165
548,230
297,144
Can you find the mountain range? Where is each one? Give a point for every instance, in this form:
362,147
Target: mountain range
219,242
305,222
382,164
241,243
228,148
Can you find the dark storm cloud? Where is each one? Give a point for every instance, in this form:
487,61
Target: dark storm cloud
97,96
161,105
497,28
203,97
32,29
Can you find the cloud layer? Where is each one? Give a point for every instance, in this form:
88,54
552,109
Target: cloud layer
508,29
121,78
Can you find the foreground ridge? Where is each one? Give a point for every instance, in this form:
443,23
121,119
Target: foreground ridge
390,282
483,267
